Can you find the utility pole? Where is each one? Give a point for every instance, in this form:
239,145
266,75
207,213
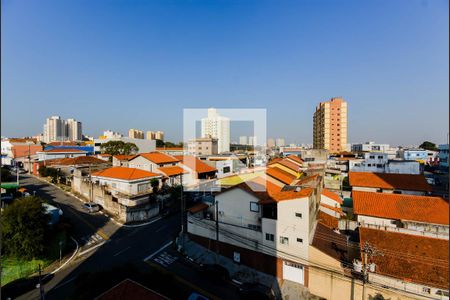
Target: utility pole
90,184
41,288
368,251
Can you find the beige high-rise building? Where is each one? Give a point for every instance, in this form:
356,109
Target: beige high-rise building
135,134
74,132
330,125
159,135
151,135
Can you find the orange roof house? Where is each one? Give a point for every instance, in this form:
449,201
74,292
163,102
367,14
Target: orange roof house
423,209
195,164
172,171
281,175
123,173
389,181
158,158
411,258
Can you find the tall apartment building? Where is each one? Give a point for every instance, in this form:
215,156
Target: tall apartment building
151,135
109,134
243,140
218,127
74,130
280,142
330,125
58,129
159,135
135,134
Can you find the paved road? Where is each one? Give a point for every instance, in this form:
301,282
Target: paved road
123,244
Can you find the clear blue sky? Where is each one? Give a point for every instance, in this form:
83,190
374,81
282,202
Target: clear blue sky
136,64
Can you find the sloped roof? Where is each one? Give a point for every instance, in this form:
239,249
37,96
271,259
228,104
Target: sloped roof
418,259
332,195
329,242
123,157
288,164
172,170
73,161
280,175
130,290
195,164
270,193
295,158
159,157
125,173
389,181
424,209
327,220
198,207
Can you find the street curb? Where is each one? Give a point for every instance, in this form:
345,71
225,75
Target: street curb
67,261
101,212
92,248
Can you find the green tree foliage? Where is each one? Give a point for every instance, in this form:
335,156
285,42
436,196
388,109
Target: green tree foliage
155,184
161,144
428,146
6,175
24,226
49,172
119,147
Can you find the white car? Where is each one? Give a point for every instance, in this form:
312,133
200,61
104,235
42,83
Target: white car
91,207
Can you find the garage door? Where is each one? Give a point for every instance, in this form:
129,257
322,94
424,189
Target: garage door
293,272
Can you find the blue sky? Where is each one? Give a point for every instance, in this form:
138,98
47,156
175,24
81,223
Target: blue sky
136,64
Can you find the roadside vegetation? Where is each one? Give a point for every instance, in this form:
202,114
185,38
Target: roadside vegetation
28,240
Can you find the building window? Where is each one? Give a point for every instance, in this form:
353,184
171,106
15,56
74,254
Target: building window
114,185
270,237
372,157
254,227
226,169
254,206
380,157
299,240
426,290
143,187
298,215
284,240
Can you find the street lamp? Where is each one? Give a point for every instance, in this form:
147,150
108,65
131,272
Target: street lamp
60,252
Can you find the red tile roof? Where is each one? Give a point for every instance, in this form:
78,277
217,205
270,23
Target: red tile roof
172,170
288,164
130,290
159,158
329,242
195,164
389,181
413,258
336,209
401,207
198,207
332,195
123,157
272,193
279,174
25,150
307,179
125,173
327,220
66,150
295,158
73,161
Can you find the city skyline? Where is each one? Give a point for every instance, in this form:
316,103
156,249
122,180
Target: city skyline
239,61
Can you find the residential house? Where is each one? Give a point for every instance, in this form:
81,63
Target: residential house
60,153
198,170
122,192
172,150
330,210
261,225
378,162
121,160
389,183
404,262
152,161
418,215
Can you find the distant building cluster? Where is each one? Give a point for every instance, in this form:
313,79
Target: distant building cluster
150,135
58,129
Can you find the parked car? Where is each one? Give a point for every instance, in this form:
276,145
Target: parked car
215,271
255,291
91,207
195,296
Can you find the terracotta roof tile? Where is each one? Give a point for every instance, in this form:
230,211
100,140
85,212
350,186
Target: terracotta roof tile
289,164
330,242
280,175
198,207
332,195
336,209
125,173
195,164
172,170
408,257
72,161
401,207
295,158
327,220
159,158
389,181
123,157
130,290
272,193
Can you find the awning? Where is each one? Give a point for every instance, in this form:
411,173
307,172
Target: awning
22,190
9,185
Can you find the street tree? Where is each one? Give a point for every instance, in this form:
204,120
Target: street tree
6,175
428,146
24,226
119,147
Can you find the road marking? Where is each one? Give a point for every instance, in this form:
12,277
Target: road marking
90,249
122,251
161,249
